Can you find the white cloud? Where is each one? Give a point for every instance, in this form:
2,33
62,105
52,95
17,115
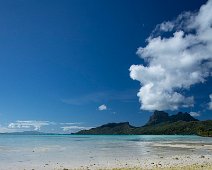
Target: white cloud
102,107
210,103
175,63
166,26
194,114
74,128
20,126
4,129
182,22
36,125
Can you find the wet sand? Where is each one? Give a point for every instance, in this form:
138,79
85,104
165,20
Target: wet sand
107,153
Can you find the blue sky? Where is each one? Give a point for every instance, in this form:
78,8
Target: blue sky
61,60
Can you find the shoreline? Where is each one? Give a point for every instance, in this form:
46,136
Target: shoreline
106,153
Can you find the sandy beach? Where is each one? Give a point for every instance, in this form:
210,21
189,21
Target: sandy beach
180,162
105,152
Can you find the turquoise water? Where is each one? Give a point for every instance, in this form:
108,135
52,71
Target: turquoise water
30,141
76,150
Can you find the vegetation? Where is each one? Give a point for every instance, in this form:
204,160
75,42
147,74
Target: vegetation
110,129
178,128
179,124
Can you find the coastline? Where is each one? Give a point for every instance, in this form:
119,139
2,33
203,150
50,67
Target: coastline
105,152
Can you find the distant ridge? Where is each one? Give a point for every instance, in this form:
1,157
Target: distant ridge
160,123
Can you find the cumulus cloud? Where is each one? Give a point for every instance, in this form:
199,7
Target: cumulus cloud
194,114
102,107
174,63
210,103
36,125
165,26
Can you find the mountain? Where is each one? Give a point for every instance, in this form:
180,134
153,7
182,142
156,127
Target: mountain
161,116
202,128
160,123
110,129
158,117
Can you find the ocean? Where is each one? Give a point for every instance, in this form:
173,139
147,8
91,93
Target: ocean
79,151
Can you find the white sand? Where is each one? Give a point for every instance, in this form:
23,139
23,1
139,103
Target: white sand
196,154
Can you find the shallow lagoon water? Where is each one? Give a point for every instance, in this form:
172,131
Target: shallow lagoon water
77,151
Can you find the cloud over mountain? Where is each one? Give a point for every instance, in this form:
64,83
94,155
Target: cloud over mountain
179,56
194,114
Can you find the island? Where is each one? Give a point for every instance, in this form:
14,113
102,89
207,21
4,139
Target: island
160,123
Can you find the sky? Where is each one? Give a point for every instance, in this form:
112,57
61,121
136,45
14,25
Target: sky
67,65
